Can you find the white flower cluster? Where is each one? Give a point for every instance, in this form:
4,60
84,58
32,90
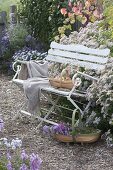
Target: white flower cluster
96,120
90,36
14,144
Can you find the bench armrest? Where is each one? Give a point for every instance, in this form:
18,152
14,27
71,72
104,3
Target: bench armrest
88,76
17,70
75,77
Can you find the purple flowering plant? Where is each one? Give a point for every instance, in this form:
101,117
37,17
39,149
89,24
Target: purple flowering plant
60,128
1,124
16,158
20,161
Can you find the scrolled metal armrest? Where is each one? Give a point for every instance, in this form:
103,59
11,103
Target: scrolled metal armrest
88,76
18,67
17,70
76,80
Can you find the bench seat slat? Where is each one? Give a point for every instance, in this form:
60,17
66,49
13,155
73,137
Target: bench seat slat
61,92
80,49
78,56
84,64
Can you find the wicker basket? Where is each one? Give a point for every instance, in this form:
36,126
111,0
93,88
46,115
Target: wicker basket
59,83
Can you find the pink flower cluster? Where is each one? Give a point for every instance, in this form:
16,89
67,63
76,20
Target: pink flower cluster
72,8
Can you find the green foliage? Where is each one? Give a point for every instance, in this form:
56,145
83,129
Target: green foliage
13,40
2,167
107,24
17,35
43,18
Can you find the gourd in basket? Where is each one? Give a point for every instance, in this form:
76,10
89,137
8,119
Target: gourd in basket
62,81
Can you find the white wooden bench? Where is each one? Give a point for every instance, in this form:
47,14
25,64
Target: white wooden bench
94,59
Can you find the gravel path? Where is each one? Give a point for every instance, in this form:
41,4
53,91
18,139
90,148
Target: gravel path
55,155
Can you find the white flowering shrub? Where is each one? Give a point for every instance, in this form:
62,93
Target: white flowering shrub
100,94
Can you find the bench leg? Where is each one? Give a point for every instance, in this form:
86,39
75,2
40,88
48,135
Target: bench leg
18,112
41,119
50,110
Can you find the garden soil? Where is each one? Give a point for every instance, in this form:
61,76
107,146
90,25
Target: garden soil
55,155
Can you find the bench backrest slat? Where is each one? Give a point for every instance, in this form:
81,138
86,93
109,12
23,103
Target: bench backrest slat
78,55
80,49
75,62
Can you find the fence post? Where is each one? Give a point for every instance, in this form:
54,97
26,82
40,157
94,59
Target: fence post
13,14
3,18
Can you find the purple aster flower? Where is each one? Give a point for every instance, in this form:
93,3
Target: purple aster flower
1,124
35,162
60,129
46,130
9,166
23,167
24,156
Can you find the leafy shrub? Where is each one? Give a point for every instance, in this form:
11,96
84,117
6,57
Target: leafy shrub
101,94
49,15
42,17
107,25
14,38
77,14
17,36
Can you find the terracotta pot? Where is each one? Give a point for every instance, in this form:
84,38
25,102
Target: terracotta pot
80,138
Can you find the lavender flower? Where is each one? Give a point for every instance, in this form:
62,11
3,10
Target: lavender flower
35,162
46,130
23,167
8,156
9,166
24,156
1,124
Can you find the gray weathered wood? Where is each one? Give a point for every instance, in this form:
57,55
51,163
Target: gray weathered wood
13,14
